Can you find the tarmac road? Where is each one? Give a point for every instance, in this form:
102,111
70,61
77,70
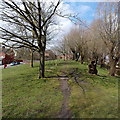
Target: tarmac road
24,62
8,66
2,66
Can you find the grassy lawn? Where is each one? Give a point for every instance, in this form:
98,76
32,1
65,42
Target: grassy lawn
25,96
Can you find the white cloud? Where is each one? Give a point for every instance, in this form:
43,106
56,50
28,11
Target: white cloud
84,8
91,0
79,0
64,24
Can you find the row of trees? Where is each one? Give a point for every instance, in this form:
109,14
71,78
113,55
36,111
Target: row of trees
30,24
99,40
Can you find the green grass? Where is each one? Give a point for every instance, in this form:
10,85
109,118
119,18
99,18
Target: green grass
101,94
25,96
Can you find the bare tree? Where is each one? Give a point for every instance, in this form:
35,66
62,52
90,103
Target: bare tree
96,48
38,22
76,41
108,30
33,17
62,48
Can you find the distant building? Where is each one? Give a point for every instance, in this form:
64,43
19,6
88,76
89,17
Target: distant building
6,55
60,57
65,57
2,55
49,55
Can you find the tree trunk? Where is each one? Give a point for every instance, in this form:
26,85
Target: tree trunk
77,56
74,56
82,59
112,70
32,58
64,56
102,63
42,65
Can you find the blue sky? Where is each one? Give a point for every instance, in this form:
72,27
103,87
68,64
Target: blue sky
86,10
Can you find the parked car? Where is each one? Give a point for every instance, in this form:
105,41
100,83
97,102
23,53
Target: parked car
14,63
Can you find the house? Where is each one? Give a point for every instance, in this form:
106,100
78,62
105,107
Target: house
6,55
49,55
2,55
65,57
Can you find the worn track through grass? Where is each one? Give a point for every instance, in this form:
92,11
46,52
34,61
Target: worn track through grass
65,110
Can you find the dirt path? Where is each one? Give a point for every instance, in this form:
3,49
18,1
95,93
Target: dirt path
65,110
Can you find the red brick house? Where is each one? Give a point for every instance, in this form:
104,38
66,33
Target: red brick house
49,55
6,55
65,57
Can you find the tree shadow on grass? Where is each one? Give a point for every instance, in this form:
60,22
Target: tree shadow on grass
56,76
